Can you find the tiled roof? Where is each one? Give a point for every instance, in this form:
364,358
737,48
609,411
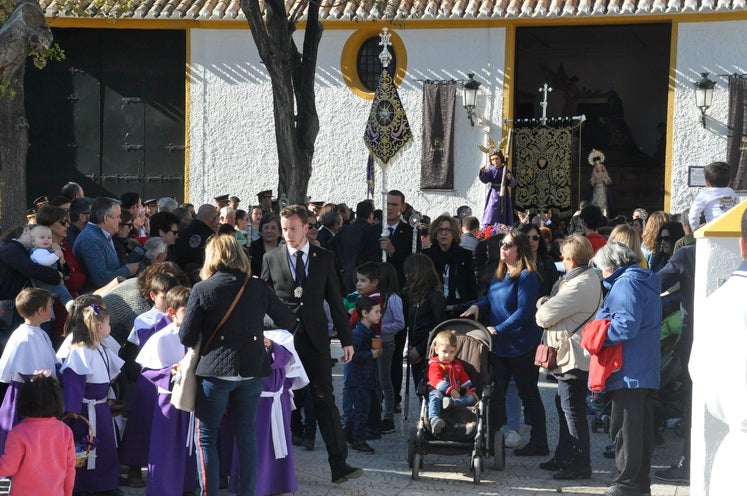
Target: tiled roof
399,10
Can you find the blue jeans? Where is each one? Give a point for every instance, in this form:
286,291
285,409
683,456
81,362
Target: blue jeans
573,441
434,402
213,397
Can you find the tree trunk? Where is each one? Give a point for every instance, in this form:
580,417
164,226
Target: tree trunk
292,75
25,31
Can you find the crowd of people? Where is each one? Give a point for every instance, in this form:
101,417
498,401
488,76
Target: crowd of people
102,297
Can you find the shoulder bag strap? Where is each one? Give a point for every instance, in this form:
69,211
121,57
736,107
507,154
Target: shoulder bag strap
228,312
590,316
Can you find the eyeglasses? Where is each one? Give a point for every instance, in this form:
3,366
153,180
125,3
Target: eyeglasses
507,244
534,237
173,232
443,230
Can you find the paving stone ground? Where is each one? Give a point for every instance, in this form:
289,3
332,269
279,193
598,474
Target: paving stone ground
387,472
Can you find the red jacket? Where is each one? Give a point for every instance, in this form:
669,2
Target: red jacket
354,316
604,360
447,377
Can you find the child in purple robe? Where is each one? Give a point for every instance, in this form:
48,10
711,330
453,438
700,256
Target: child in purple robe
87,374
135,446
29,349
276,469
171,457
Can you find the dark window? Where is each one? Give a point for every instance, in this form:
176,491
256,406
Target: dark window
369,65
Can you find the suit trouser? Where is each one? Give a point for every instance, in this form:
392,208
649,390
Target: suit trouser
318,367
632,429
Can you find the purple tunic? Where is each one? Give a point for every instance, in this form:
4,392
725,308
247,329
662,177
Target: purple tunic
172,471
8,416
105,477
497,209
135,445
274,475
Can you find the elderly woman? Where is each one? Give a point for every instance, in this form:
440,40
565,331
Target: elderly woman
453,263
270,238
572,303
233,358
511,302
630,316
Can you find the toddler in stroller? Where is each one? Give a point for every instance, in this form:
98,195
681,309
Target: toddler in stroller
458,376
450,385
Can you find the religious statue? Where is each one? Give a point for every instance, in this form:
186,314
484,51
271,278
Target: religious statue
600,182
498,204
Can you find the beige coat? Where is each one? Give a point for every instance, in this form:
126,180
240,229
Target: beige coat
575,303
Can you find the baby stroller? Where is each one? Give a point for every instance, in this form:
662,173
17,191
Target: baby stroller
467,431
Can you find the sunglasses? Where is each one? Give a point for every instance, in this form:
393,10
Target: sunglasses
508,244
533,237
173,232
63,222
314,226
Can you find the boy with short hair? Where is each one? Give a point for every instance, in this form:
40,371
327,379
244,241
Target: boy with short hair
171,467
360,374
716,198
450,385
133,450
29,349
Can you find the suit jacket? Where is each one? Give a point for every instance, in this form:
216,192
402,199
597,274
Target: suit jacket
402,241
354,244
324,236
321,285
97,254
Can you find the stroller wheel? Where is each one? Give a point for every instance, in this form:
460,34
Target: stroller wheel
417,459
476,469
499,451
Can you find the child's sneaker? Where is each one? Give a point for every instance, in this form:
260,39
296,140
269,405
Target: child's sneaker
362,447
437,425
387,426
447,402
512,439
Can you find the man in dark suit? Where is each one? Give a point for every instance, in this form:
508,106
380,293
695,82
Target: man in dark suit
398,246
356,244
331,222
304,277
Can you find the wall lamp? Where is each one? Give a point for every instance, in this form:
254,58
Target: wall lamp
469,96
704,95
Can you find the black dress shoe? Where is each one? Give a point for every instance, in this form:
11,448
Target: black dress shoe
532,450
551,464
297,440
308,444
345,472
572,473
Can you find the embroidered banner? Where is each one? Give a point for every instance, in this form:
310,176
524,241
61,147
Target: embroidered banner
387,130
736,136
542,164
437,162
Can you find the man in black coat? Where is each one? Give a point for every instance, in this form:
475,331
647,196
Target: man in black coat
17,270
304,277
355,244
189,248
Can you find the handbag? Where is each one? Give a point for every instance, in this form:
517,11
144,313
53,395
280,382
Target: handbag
546,356
184,390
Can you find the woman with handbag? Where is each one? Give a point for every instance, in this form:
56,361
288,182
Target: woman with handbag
574,301
511,303
225,313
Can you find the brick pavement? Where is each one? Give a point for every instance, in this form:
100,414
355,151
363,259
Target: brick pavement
387,472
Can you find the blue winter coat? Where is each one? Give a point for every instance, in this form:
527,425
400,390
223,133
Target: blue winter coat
633,306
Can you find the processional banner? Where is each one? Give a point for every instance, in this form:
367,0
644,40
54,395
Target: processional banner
736,138
387,130
542,165
437,162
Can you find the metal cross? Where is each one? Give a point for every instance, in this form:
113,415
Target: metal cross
385,57
544,90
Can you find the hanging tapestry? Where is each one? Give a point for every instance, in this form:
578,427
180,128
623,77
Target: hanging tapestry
437,162
542,164
736,136
387,130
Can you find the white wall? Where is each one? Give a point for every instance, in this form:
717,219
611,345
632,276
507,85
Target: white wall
718,48
232,135
715,259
